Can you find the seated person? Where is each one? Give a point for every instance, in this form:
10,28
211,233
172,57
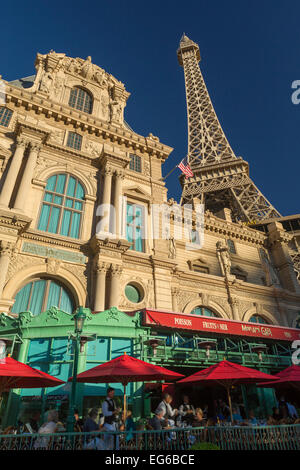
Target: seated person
198,420
236,416
157,421
277,416
252,419
186,411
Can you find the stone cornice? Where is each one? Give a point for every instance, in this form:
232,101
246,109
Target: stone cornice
236,286
101,245
13,220
54,239
41,105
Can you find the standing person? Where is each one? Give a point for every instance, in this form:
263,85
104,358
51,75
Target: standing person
110,413
165,407
186,411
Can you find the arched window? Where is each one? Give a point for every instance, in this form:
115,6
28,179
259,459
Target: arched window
81,100
258,319
62,207
206,312
41,294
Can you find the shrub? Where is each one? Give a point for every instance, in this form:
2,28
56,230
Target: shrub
204,446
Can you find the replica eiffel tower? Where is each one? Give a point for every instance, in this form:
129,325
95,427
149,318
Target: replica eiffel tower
221,179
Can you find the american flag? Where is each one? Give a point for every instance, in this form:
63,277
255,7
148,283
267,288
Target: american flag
185,168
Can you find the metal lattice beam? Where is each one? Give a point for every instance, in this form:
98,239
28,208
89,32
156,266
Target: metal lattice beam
219,176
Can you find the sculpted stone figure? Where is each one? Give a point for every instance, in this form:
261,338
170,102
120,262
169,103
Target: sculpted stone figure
46,82
172,248
224,258
116,111
271,276
87,70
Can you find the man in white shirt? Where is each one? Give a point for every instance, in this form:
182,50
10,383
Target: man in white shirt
165,408
110,413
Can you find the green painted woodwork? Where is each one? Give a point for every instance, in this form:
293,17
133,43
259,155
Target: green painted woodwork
46,345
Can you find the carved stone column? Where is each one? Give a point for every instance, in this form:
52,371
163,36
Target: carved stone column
114,295
6,250
25,186
100,286
118,202
234,303
13,171
175,292
106,198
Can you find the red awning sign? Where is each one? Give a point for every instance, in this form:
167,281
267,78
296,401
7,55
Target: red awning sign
199,323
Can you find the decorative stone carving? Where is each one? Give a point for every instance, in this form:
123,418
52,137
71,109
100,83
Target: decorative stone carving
93,148
223,258
183,298
46,82
153,137
271,276
52,265
55,72
116,110
172,248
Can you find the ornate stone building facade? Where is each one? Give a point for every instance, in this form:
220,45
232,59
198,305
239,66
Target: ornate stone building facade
65,149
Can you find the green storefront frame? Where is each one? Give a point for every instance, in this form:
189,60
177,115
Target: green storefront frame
44,341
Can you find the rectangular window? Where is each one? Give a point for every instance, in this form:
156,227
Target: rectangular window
5,116
74,141
231,246
135,227
135,163
194,237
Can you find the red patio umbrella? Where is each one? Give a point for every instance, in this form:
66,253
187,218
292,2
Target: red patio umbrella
125,369
227,374
15,374
289,377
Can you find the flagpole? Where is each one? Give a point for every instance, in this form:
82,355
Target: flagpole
162,179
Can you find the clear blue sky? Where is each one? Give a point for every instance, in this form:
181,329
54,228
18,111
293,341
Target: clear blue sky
250,56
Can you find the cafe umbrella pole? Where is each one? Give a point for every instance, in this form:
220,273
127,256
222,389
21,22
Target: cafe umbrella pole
79,318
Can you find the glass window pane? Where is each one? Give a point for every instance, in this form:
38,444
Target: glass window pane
22,299
37,297
71,186
60,186
79,191
43,222
75,225
65,225
5,116
58,200
69,202
48,197
54,219
51,183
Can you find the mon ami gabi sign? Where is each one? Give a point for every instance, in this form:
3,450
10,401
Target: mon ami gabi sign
215,325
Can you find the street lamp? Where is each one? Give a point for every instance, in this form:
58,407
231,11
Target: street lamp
79,318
